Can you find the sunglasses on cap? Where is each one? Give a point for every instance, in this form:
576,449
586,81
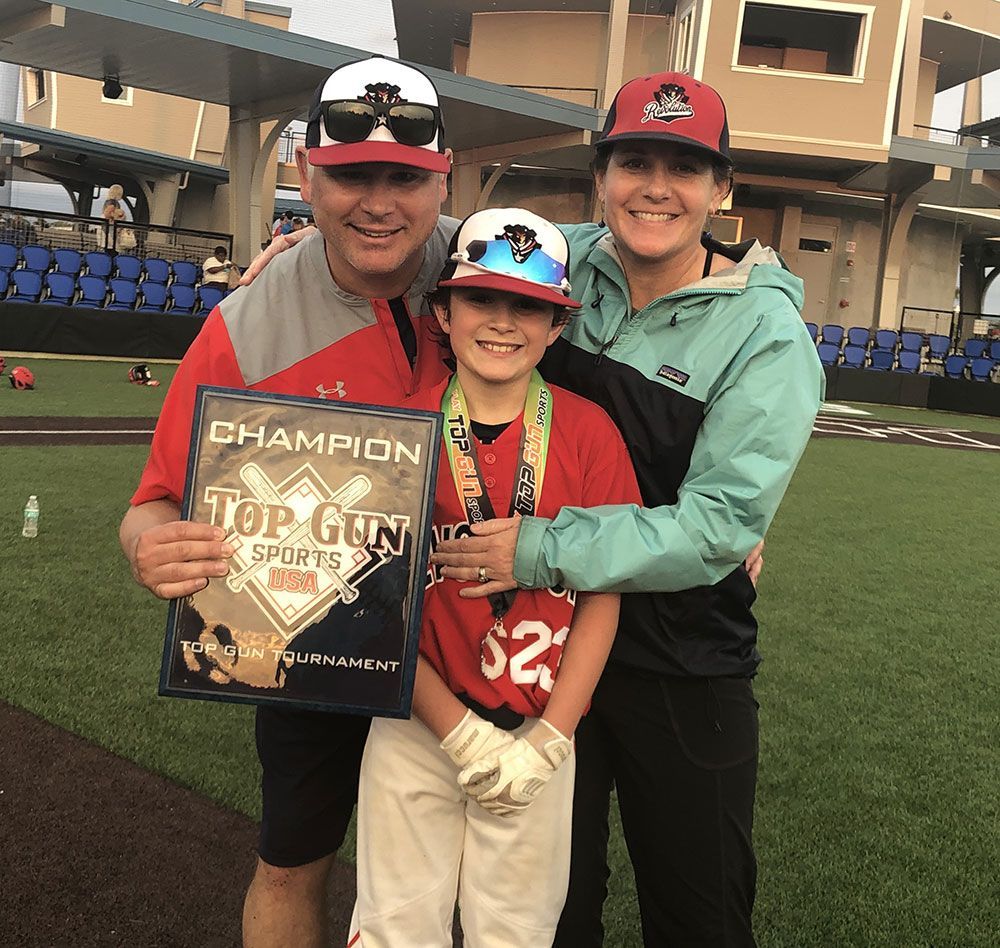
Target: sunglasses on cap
351,120
496,256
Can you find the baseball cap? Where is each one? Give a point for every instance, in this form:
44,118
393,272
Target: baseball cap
513,250
669,106
376,109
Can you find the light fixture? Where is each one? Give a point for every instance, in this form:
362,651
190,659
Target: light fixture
112,88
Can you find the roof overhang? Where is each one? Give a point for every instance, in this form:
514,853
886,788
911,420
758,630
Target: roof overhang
961,52
258,70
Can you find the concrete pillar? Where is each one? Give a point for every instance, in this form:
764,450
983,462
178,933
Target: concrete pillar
972,102
614,52
261,197
900,216
972,281
908,85
465,186
492,182
242,152
788,234
163,205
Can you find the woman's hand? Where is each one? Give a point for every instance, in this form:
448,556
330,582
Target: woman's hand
491,549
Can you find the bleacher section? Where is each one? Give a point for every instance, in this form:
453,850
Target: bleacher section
101,280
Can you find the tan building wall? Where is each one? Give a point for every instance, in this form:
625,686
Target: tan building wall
926,82
560,54
796,111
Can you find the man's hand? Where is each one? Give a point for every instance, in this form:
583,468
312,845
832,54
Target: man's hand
473,739
513,779
179,558
278,245
492,549
754,563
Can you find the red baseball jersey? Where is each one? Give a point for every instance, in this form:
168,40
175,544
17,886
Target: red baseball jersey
588,465
294,332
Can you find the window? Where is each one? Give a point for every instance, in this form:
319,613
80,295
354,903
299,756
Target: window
815,246
682,48
826,38
36,86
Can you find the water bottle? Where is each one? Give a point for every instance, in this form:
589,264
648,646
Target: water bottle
30,518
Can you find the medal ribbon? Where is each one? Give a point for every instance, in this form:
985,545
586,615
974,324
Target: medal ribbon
531,458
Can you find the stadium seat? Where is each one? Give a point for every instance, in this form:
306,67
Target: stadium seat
98,263
68,261
994,352
886,339
210,297
93,289
858,336
813,331
123,294
128,267
8,256
975,348
829,354
833,333
185,272
854,356
36,258
27,286
938,346
954,366
154,297
183,298
61,287
4,283
911,341
909,362
981,369
157,269
882,360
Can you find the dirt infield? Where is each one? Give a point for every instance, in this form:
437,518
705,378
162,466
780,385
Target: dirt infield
95,851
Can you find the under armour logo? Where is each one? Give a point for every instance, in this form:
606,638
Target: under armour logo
328,393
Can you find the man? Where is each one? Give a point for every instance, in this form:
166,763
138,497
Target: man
350,329
217,268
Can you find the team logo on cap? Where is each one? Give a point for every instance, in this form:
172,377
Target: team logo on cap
670,102
381,92
522,241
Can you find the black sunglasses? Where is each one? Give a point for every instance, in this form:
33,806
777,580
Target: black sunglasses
351,120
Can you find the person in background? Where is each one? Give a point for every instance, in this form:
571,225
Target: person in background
218,268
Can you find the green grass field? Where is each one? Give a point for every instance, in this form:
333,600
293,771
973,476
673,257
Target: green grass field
878,813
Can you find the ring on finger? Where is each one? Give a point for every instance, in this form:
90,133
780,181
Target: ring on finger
483,578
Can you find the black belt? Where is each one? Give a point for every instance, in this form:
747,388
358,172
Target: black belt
501,717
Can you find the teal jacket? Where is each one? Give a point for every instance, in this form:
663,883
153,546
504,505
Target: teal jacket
715,388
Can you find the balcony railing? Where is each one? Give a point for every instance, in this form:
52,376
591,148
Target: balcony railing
286,145
951,136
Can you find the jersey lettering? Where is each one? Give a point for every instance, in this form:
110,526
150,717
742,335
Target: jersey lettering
527,666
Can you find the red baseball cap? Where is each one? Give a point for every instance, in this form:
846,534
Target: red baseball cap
669,106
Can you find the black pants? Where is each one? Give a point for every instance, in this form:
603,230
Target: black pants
682,753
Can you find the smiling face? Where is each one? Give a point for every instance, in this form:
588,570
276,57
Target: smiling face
375,218
497,337
656,197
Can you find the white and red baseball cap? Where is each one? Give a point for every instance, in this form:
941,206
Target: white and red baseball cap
377,109
669,106
512,250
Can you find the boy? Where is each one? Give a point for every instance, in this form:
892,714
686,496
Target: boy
485,814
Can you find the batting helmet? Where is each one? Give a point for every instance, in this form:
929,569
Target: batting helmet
22,378
140,374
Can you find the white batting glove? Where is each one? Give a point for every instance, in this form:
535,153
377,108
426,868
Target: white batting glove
473,738
511,781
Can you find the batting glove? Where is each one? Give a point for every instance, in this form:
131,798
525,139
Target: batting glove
512,780
473,739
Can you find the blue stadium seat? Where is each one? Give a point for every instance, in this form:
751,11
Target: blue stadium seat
36,258
62,289
93,289
68,261
157,269
185,272
974,348
858,336
954,366
981,369
123,294
829,354
154,297
210,297
911,341
4,283
854,356
882,360
938,346
98,263
994,352
128,267
833,333
183,298
27,286
813,331
8,256
886,339
909,361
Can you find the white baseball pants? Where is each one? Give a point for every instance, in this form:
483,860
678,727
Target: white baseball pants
422,842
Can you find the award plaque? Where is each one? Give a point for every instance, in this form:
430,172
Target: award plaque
328,506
